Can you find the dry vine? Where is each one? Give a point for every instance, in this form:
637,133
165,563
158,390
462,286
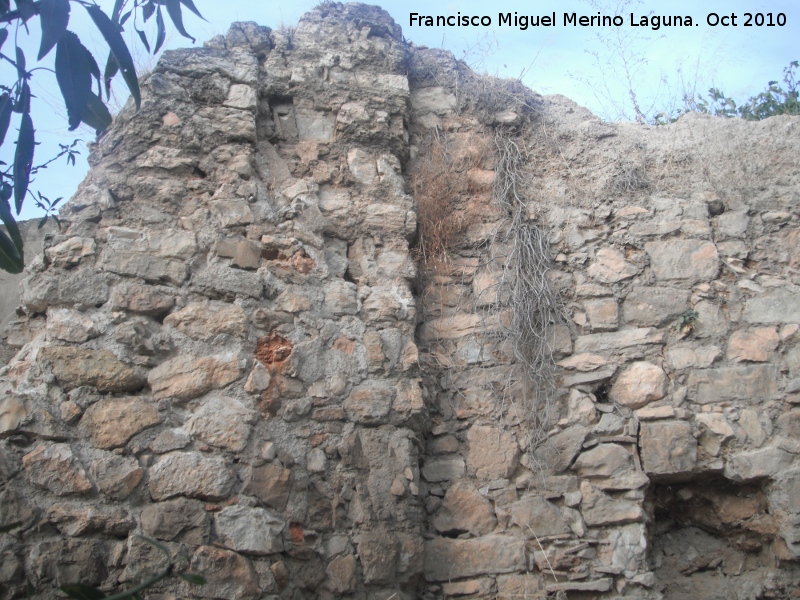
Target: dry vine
519,263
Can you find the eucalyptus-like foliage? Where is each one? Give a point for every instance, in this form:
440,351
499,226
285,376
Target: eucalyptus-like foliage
79,80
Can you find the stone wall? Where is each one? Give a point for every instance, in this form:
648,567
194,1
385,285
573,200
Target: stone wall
230,348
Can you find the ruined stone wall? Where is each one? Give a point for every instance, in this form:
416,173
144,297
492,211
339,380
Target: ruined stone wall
230,348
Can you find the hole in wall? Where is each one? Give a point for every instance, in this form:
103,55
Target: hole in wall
716,539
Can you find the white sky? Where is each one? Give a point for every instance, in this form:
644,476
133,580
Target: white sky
738,60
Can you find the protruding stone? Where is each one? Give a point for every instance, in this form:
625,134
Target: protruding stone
74,367
465,509
444,469
378,551
112,422
638,384
70,325
599,508
447,559
668,448
116,476
190,474
369,404
179,520
538,518
229,576
341,574
55,468
187,377
249,530
610,467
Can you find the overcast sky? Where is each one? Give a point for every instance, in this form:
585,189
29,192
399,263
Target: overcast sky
578,62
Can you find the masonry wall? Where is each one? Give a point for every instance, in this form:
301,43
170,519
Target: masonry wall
230,348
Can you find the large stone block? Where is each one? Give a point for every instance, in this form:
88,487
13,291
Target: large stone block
205,321
538,518
229,576
447,559
778,305
190,474
687,260
178,520
222,422
186,377
752,383
654,306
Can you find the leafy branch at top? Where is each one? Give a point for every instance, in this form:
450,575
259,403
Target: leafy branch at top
76,71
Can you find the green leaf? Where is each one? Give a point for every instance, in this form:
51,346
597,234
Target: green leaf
4,6
54,17
190,5
26,9
74,76
23,103
6,107
80,591
96,114
3,32
162,31
193,578
174,11
108,74
10,260
143,37
116,44
23,160
22,74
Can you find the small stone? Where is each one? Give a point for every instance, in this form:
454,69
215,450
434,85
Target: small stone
222,422
583,362
748,419
610,266
717,424
341,574
599,508
12,413
249,530
369,404
169,440
228,575
70,325
603,314
154,301
378,551
190,474
55,468
269,483
638,384
316,461
559,450
112,422
538,518
179,520
258,380
116,476
610,467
